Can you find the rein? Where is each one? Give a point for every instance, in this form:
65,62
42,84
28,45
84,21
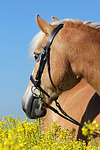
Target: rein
65,115
37,81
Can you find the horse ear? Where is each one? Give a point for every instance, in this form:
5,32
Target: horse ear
44,25
55,19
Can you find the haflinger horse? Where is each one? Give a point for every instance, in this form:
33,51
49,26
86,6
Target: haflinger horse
65,52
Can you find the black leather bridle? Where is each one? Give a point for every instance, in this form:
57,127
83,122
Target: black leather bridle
37,81
45,58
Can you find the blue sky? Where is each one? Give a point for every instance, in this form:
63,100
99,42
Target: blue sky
17,28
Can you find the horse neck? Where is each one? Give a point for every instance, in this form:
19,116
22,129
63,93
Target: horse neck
92,76
84,55
89,69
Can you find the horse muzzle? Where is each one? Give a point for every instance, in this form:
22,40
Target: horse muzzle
33,108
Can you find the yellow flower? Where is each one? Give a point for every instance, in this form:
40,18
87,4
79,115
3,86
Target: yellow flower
22,135
97,125
94,122
84,131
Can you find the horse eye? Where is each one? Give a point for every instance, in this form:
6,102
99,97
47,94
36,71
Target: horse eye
37,56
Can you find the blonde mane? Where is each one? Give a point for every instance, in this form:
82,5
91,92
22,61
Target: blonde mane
40,35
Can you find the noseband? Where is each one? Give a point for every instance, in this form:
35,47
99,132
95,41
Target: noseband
37,81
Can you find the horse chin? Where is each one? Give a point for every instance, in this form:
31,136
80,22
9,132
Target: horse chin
35,109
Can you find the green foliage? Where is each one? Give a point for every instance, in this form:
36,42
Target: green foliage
25,135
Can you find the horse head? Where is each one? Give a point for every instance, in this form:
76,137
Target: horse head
46,85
